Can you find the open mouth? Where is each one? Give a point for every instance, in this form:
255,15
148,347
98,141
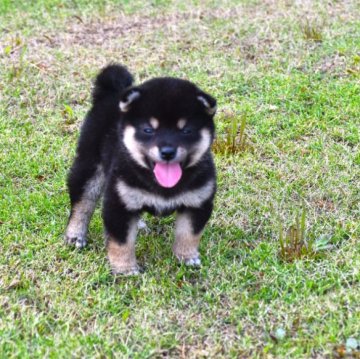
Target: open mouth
167,174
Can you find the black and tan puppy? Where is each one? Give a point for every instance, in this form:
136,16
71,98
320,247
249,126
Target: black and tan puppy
146,148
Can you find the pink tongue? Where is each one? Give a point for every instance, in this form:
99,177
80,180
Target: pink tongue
167,174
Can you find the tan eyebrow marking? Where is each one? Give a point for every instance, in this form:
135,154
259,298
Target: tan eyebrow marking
154,122
181,123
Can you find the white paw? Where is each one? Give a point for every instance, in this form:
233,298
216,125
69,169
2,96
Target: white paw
79,242
193,262
131,272
142,226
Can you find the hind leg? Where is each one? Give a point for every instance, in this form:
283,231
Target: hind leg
85,184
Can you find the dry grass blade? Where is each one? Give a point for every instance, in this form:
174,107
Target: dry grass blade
312,31
234,138
295,245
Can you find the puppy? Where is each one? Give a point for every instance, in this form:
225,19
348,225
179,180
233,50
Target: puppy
144,148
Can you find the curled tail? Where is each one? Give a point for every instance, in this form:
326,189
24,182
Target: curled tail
112,79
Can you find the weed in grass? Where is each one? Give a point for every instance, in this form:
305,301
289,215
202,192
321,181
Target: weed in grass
15,44
234,139
312,31
17,68
295,245
354,68
68,114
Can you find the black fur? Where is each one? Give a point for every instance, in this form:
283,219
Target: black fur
101,148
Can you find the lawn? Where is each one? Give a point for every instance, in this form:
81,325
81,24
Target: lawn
286,76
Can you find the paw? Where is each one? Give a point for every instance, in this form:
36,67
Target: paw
193,262
77,241
189,260
142,226
126,271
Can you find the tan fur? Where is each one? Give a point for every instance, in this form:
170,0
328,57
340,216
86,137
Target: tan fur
124,106
209,110
154,154
201,147
80,218
154,122
181,123
83,210
122,256
133,146
186,242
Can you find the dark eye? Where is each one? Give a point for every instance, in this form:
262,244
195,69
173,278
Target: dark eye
149,130
186,131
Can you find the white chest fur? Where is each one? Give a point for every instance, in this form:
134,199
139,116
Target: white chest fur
136,198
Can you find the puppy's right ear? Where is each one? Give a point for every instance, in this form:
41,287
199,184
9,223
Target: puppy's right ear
208,102
128,98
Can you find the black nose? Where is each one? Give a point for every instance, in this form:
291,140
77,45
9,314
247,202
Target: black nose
167,153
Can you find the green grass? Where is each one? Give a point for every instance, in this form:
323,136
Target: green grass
292,72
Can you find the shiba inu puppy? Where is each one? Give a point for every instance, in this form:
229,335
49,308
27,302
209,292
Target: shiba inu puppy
144,148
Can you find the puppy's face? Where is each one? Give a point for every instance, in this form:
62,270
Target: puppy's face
168,126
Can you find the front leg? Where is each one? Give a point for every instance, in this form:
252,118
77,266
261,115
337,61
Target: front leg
121,230
190,223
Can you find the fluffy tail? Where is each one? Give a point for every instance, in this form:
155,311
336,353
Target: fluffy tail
112,79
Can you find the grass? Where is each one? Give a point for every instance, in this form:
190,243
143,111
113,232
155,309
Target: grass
233,140
312,32
300,99
295,245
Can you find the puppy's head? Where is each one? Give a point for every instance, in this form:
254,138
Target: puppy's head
167,126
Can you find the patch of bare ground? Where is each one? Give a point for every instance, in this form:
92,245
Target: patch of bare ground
335,64
252,33
100,31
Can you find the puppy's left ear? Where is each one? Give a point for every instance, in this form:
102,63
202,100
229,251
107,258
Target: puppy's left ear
128,98
208,102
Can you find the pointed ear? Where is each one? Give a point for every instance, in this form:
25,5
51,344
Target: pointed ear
128,98
208,102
